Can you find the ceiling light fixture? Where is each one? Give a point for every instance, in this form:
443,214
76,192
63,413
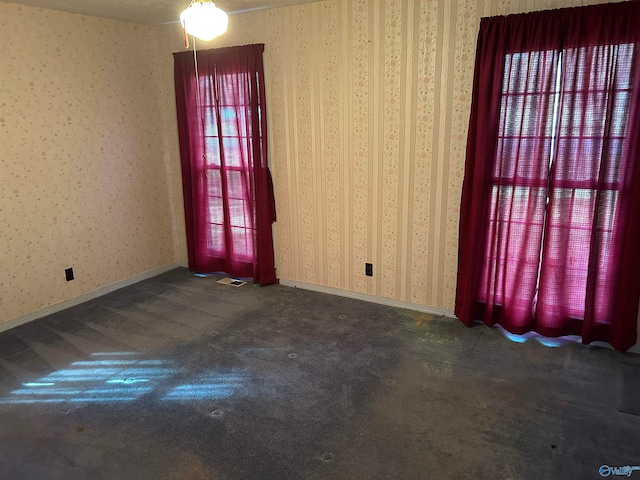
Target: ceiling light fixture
204,20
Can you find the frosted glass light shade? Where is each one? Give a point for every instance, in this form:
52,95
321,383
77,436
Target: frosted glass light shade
204,20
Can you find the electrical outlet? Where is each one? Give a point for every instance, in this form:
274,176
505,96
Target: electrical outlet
368,269
68,272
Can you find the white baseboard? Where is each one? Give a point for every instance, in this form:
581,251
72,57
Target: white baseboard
71,302
289,283
400,304
441,312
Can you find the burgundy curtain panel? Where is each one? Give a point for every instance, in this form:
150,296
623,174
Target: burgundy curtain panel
550,210
228,194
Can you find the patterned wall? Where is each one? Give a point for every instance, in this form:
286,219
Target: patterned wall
82,173
368,111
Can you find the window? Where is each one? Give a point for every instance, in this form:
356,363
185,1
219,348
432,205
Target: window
228,194
548,220
228,142
562,130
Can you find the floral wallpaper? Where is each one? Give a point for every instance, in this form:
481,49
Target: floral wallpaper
368,108
368,104
82,166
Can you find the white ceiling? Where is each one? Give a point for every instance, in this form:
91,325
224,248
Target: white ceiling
150,12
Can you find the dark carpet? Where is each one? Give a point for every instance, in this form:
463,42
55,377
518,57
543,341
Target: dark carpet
179,377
